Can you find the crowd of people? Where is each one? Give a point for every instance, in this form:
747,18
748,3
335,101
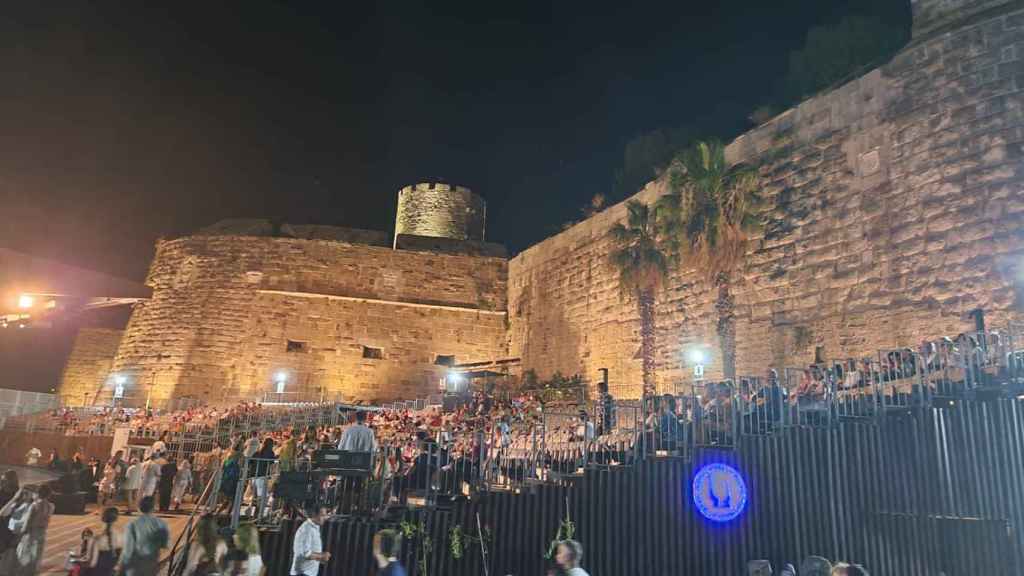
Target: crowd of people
144,422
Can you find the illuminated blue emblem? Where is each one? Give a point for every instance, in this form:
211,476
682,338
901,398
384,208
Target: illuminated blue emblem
719,492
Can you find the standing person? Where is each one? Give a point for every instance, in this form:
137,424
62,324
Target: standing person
55,464
206,555
160,446
286,455
106,547
8,490
307,551
358,437
144,538
568,557
387,545
108,483
231,473
252,445
247,540
16,511
150,477
132,483
168,470
33,539
261,473
182,480
33,456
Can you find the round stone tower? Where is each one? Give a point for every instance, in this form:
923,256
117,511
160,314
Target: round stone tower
440,211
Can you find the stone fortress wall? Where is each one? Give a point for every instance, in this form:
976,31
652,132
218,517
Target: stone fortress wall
88,366
896,207
229,314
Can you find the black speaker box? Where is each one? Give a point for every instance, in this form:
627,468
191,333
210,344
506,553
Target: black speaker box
72,503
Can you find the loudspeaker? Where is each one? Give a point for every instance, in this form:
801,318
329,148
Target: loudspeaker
295,486
72,503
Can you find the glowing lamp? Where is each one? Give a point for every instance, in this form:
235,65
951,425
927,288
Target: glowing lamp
120,380
696,356
26,301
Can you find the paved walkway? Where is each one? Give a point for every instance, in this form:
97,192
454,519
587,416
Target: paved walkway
65,534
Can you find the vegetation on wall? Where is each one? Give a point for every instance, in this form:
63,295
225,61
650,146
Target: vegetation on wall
558,388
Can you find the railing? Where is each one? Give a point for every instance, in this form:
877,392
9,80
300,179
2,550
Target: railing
176,561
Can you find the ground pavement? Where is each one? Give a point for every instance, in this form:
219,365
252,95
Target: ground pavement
65,534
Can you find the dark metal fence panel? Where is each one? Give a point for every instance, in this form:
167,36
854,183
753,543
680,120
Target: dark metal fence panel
913,494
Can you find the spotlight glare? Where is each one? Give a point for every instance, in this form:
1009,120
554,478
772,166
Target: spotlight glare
695,356
26,301
120,379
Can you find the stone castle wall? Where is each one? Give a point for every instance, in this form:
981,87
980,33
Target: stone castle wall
89,365
228,313
896,206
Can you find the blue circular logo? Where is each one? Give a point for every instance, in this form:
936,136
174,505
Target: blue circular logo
719,492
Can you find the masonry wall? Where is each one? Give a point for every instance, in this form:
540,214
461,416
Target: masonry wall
224,309
895,207
89,364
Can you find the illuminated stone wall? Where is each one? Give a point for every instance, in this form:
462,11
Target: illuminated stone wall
896,206
440,210
230,312
88,365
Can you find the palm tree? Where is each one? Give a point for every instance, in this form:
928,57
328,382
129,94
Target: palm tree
710,212
642,264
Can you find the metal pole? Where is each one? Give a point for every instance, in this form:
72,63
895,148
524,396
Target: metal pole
483,545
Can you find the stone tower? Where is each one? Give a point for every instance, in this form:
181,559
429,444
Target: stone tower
440,210
935,15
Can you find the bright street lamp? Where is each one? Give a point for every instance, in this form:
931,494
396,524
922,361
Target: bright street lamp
26,301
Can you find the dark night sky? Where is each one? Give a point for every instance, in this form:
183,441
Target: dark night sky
127,121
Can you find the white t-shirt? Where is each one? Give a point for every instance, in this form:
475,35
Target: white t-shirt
252,446
577,572
150,476
33,457
133,477
307,541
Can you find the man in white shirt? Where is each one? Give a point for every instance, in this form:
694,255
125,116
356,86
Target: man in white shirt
358,437
308,550
33,456
585,429
568,557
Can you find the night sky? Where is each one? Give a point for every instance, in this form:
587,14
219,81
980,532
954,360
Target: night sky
125,122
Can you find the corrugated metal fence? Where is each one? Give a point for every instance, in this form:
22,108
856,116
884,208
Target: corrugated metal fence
917,493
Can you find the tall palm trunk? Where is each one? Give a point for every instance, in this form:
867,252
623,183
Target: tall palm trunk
725,306
645,302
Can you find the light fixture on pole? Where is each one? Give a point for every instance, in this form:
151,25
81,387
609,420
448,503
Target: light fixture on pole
281,379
